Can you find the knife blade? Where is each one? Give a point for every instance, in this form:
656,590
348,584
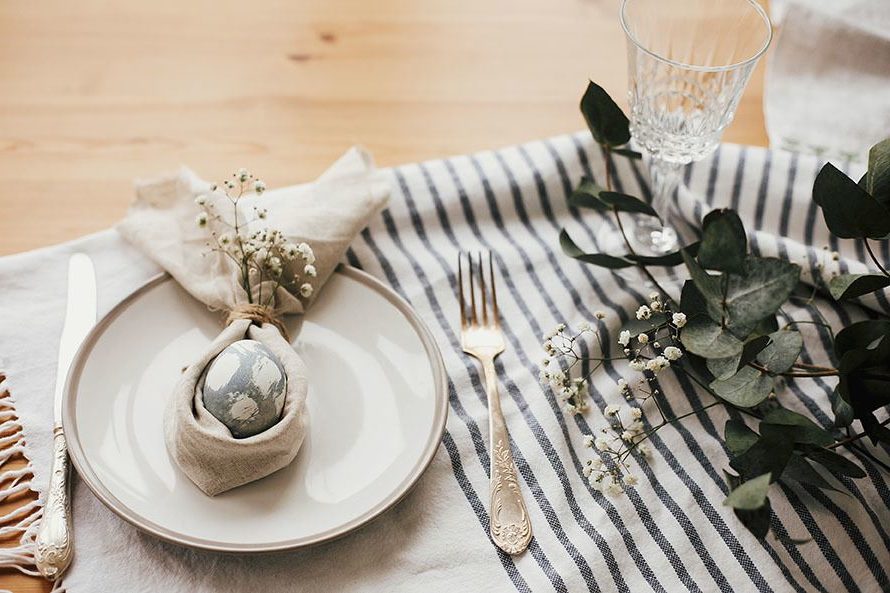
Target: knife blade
54,543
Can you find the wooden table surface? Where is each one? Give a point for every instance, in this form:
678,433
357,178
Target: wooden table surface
97,93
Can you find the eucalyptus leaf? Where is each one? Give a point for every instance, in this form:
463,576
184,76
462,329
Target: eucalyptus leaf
749,495
757,521
849,211
724,244
674,258
570,248
837,464
861,334
708,292
770,454
782,351
738,436
798,427
745,389
626,203
637,326
586,195
878,177
843,411
706,338
606,121
724,368
800,470
849,286
765,286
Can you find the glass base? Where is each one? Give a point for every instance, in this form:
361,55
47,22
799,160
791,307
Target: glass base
649,237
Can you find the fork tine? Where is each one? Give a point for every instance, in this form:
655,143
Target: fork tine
496,319
460,290
482,294
473,319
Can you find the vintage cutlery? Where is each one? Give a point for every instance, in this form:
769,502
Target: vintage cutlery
54,546
481,337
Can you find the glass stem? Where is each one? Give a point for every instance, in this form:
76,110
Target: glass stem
665,179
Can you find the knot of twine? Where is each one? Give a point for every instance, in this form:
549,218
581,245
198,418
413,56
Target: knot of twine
258,314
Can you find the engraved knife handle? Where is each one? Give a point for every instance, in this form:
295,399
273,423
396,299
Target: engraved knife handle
54,546
510,526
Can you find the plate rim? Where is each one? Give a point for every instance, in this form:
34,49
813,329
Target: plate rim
91,479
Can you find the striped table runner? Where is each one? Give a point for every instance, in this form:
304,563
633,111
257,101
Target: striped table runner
669,534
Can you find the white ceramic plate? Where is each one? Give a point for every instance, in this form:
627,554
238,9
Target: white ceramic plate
377,404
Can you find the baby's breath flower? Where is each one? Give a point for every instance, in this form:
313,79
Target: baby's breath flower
289,251
637,364
599,314
644,449
678,319
624,337
570,408
201,200
259,187
584,327
672,353
658,363
225,239
613,487
610,410
306,290
630,480
201,219
601,443
654,296
243,174
643,338
262,213
636,413
310,271
627,436
644,312
588,440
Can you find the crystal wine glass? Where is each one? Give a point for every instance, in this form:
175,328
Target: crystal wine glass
688,63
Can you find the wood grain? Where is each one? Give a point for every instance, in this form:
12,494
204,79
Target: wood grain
98,93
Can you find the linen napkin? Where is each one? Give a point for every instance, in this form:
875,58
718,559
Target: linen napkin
671,533
326,214
828,80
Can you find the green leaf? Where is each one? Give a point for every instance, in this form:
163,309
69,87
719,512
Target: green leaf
631,154
708,290
604,117
800,470
626,203
724,368
765,286
724,244
749,495
586,195
745,389
861,334
739,438
782,351
878,177
598,259
837,464
799,428
757,521
849,211
843,411
849,286
770,453
706,338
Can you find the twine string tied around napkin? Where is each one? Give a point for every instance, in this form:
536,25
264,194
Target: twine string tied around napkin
258,314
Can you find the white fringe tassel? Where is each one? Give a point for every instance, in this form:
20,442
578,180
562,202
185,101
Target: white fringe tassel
25,519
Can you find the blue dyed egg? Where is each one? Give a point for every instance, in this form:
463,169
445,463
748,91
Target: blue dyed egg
244,388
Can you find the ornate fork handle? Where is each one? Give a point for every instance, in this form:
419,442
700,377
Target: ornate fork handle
510,528
54,548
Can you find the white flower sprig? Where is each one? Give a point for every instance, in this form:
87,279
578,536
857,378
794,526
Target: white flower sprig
648,352
262,255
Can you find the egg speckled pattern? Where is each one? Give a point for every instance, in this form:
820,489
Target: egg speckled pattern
245,387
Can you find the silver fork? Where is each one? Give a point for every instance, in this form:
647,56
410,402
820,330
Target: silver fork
481,337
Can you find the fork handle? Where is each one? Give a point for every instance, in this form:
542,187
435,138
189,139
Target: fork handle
510,527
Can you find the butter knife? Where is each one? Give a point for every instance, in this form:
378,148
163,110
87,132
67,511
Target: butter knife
55,544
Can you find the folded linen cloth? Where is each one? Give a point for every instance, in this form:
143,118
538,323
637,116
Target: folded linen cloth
827,87
670,534
327,215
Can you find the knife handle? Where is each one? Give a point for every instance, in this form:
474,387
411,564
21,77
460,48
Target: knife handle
54,538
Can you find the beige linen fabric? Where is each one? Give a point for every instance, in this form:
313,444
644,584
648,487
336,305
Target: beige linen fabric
327,214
